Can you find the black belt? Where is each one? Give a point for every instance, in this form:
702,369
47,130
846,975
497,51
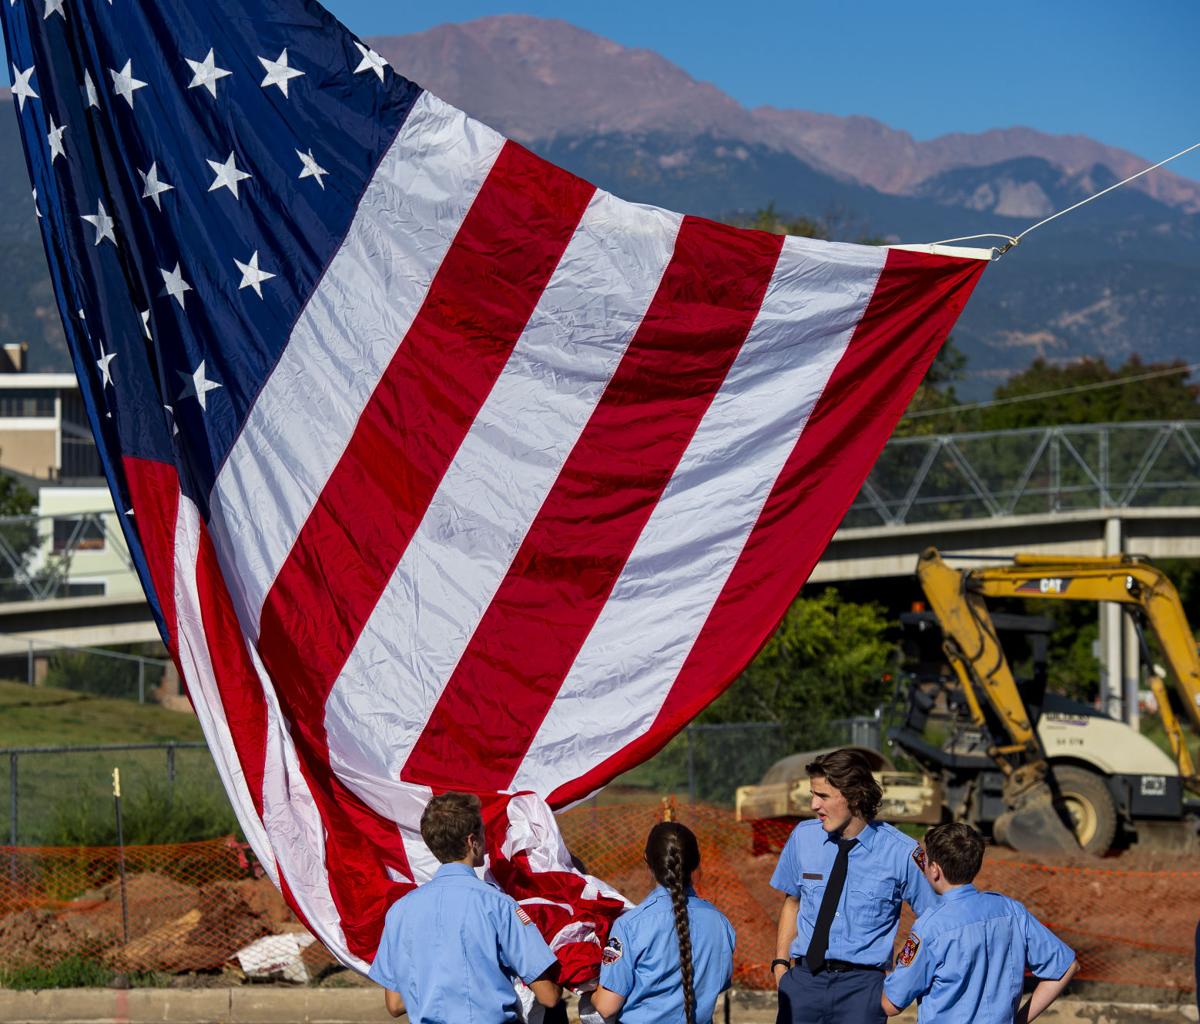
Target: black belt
842,966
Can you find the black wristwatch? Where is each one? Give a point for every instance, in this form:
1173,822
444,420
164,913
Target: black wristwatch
777,961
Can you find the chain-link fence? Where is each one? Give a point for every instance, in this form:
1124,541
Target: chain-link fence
38,661
62,796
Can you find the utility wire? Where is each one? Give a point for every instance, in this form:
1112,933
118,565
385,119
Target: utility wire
1077,389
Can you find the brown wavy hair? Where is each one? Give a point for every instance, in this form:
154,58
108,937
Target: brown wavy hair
849,773
957,849
673,854
447,822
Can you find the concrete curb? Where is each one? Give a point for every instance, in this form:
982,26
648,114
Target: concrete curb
254,1004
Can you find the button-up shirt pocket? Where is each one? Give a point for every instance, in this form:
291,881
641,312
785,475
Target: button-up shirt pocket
868,906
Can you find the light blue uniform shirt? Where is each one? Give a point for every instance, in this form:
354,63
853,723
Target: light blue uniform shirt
452,948
884,869
965,959
641,960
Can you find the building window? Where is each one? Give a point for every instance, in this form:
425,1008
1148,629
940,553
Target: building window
88,534
22,404
90,588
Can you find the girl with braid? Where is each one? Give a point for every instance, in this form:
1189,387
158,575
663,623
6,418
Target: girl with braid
669,958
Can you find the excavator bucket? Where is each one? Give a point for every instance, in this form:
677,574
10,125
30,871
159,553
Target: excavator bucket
1035,826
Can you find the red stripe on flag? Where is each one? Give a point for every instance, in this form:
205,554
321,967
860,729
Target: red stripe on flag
154,488
154,491
237,679
532,631
915,304
478,304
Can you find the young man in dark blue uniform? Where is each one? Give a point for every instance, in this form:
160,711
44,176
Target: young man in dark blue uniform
452,947
965,959
843,876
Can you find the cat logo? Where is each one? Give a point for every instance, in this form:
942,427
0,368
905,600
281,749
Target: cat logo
1046,585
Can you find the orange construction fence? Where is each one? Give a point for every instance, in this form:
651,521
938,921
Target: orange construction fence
191,907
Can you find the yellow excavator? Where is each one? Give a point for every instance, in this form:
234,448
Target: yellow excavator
1065,770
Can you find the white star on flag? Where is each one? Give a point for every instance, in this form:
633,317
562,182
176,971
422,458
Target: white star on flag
124,84
105,364
55,138
54,7
153,186
278,72
227,175
21,88
371,61
103,224
89,90
146,324
206,73
176,285
198,385
36,208
252,276
174,425
311,169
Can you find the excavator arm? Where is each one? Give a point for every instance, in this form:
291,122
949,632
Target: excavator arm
957,597
1118,578
972,646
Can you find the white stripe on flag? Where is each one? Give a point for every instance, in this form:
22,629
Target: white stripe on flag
511,457
347,335
692,540
196,664
290,837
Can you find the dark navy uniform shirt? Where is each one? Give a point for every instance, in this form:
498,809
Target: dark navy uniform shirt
884,869
965,959
452,948
641,960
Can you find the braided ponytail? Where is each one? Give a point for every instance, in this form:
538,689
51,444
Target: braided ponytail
673,854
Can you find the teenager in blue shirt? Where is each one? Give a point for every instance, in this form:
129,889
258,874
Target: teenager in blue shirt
669,958
965,959
452,947
844,877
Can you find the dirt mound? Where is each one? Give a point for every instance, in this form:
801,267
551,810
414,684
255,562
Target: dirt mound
173,927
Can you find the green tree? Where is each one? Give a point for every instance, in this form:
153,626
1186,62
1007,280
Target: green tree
936,392
828,659
1165,397
770,219
18,540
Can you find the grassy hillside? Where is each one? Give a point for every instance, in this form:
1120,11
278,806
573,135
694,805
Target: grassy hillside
41,716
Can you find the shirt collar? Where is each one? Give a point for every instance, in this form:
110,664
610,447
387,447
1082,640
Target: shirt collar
455,870
961,892
661,890
865,838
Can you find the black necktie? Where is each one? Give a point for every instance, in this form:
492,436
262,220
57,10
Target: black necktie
815,957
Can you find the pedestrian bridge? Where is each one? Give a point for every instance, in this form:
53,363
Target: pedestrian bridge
1080,490
1091,489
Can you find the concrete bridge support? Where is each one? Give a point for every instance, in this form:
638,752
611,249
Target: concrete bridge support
1120,660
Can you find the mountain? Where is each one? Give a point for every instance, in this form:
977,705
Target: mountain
1113,278
536,79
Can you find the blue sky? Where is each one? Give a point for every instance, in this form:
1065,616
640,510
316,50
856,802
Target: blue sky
1125,74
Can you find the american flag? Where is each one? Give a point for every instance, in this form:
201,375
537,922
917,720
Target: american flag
441,467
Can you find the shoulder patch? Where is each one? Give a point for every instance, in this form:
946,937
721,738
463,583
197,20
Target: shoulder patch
523,917
909,952
613,951
918,855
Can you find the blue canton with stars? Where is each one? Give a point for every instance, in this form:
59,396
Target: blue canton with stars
196,166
